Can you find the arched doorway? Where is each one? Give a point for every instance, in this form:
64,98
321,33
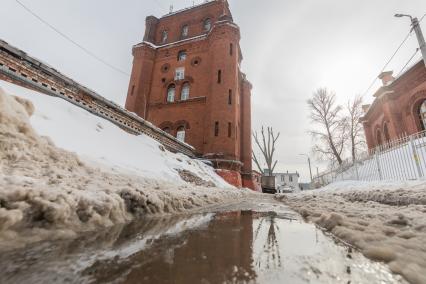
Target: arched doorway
422,115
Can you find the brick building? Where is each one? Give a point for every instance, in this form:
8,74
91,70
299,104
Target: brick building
399,107
186,79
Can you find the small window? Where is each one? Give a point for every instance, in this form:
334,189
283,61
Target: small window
180,73
185,30
133,90
219,76
171,94
231,49
216,128
207,25
181,134
229,129
291,178
182,55
230,97
185,92
164,36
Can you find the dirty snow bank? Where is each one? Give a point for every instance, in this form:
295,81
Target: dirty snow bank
386,221
49,192
101,143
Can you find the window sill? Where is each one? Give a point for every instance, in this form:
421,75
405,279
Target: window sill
176,103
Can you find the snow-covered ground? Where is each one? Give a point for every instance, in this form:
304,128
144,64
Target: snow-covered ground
66,170
97,140
386,221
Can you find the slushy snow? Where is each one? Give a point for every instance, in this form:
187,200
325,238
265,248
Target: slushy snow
386,221
48,191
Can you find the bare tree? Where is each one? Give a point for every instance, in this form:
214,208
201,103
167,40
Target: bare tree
331,134
354,126
267,147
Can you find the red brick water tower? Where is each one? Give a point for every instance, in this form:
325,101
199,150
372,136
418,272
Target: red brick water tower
186,79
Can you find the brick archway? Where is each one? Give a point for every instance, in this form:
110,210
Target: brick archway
183,123
167,125
415,103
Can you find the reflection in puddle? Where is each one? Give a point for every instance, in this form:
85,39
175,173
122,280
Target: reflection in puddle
235,247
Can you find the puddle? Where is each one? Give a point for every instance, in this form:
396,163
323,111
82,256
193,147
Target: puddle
225,247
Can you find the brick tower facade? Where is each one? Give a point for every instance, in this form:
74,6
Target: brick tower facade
186,80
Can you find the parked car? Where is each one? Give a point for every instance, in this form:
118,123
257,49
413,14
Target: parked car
268,184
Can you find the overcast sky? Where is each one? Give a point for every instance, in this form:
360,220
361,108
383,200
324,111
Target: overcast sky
290,49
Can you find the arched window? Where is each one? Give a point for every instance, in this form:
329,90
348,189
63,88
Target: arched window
422,115
386,132
185,30
207,25
167,130
164,36
181,133
185,92
171,94
379,137
182,55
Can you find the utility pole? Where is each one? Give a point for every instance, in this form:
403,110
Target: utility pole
309,162
418,30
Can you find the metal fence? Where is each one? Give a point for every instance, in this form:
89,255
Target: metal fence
400,159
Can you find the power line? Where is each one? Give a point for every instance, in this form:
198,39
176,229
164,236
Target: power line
393,56
90,53
389,61
411,58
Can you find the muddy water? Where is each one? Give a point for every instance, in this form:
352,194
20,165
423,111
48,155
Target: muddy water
261,243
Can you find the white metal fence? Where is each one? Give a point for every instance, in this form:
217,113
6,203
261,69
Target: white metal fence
400,159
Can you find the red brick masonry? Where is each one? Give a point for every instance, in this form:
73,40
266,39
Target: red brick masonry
216,117
395,111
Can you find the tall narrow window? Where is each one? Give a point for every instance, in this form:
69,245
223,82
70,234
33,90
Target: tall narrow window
185,92
185,30
180,135
133,90
231,49
229,129
216,128
230,97
180,73
219,76
164,36
386,132
171,94
182,55
207,25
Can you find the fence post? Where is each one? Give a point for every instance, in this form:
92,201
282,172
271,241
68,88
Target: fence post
416,157
356,170
378,165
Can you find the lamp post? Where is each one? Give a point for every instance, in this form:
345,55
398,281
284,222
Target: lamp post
309,162
418,30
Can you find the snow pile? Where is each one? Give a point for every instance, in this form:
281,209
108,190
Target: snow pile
97,140
47,191
386,221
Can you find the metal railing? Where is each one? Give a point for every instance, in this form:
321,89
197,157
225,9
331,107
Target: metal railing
400,159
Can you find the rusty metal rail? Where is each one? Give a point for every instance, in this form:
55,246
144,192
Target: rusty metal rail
19,68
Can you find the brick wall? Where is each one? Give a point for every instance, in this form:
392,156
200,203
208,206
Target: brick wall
395,110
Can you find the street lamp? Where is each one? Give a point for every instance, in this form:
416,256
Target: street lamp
309,162
418,30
